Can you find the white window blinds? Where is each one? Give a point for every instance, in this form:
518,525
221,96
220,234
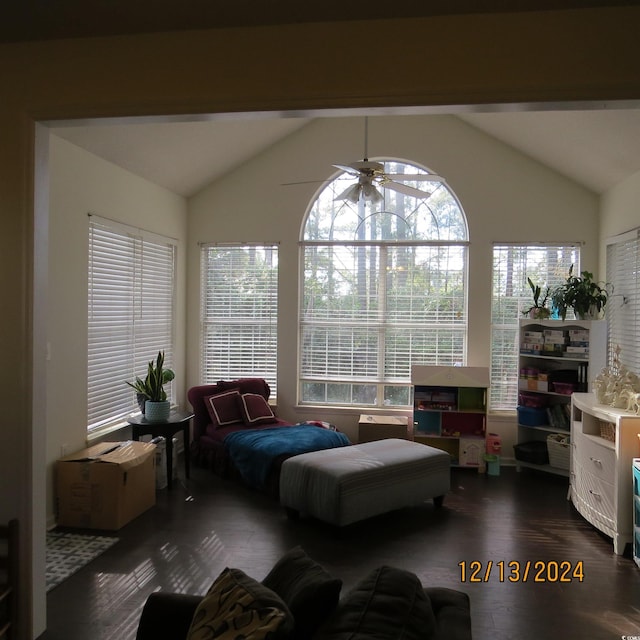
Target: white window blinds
623,306
131,314
370,312
239,302
547,266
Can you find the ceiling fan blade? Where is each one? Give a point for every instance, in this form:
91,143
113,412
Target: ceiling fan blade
415,177
404,189
366,167
347,169
288,184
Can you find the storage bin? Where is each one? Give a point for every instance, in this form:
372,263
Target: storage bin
535,451
532,417
607,430
534,400
566,388
564,375
559,450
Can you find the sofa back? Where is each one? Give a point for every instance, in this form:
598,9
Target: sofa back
196,396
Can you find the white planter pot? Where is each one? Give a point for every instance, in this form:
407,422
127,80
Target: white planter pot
157,411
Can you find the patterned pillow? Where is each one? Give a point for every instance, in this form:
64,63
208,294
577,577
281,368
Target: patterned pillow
237,606
224,408
255,409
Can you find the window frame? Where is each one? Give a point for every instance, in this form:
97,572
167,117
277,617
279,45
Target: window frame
503,394
383,382
623,303
131,296
263,327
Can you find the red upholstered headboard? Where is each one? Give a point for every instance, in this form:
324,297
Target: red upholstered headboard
196,396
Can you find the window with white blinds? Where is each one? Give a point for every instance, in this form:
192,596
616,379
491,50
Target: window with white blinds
385,287
239,303
131,314
623,305
548,267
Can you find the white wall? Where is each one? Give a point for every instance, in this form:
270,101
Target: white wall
507,197
81,183
619,212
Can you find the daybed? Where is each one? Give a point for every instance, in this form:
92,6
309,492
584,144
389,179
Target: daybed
237,434
300,600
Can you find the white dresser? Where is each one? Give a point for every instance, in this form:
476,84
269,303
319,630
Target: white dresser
601,470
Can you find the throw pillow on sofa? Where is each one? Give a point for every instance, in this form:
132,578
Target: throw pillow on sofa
310,592
239,606
388,604
255,410
224,408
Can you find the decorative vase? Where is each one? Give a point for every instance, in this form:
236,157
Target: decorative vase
591,314
157,411
539,313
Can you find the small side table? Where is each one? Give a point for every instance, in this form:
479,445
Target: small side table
177,421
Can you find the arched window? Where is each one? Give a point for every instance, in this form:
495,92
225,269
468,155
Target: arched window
384,288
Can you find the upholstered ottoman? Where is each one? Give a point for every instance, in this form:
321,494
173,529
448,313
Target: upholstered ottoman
347,484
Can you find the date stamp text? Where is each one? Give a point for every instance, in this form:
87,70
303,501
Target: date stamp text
521,571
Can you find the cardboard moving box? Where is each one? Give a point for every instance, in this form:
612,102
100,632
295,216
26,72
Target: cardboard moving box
106,485
372,427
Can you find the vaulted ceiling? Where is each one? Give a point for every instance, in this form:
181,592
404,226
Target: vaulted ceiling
595,148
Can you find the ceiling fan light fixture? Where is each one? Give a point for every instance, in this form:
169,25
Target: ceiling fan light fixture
365,191
369,192
352,194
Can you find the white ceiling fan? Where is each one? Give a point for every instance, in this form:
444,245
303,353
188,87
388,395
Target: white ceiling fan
371,174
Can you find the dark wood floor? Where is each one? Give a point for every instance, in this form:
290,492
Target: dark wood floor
206,524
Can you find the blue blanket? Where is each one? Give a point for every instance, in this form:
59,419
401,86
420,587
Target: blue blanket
253,451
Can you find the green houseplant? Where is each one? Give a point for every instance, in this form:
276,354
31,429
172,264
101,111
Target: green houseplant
583,294
150,392
538,309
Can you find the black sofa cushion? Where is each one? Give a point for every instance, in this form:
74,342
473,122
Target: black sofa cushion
453,613
310,592
388,604
167,615
237,606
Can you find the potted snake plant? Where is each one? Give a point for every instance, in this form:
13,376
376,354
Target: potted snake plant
150,392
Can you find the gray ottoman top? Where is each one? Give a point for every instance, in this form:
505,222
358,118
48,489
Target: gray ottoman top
369,455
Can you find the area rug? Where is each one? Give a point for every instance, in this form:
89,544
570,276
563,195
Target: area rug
69,552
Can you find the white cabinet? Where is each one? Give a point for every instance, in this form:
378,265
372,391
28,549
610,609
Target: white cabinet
450,411
601,475
556,358
636,511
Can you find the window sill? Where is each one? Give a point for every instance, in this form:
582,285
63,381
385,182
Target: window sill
97,435
352,411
